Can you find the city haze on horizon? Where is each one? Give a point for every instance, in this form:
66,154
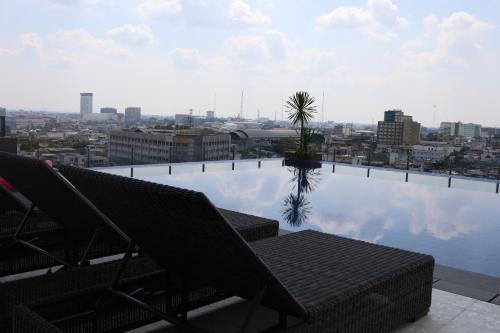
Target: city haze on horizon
169,56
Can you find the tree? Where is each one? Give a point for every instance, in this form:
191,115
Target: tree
301,110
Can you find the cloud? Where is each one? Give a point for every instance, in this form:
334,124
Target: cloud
367,223
9,52
159,8
247,48
270,45
429,213
374,19
81,39
452,40
186,58
241,12
139,35
73,3
32,43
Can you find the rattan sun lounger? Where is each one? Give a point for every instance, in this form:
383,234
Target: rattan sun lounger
332,284
79,221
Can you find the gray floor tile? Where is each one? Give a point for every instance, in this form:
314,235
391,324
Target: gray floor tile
488,309
472,322
443,298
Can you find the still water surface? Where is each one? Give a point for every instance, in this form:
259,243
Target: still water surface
459,226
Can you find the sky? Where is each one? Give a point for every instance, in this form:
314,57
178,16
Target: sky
438,60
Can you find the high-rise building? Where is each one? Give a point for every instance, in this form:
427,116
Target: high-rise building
7,144
210,114
109,110
398,129
3,128
459,129
392,116
86,103
132,115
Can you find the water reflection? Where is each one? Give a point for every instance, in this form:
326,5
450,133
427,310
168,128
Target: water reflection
296,206
459,227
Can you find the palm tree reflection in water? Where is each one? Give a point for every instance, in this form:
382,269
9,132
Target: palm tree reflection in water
296,207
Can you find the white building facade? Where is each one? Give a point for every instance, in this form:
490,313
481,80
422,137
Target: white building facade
86,103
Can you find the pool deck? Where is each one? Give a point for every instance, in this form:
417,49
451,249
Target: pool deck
449,313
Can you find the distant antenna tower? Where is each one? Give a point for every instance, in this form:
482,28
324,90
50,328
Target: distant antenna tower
190,117
258,114
241,106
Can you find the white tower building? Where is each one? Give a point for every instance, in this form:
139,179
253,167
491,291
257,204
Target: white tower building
86,103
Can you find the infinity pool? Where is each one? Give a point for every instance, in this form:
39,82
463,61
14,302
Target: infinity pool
458,222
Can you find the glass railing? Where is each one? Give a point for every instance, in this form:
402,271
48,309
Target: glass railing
410,176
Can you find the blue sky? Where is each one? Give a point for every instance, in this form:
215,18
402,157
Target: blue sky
169,56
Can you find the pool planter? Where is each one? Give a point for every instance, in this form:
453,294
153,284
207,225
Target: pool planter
312,160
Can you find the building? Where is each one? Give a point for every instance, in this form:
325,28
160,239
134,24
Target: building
99,117
342,130
184,120
109,110
249,138
3,125
162,146
459,129
398,130
86,103
8,145
431,152
210,115
132,115
393,116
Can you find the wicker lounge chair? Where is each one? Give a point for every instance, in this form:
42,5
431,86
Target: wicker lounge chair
331,283
80,221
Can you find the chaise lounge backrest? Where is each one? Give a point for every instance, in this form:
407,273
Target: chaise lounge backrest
181,230
47,190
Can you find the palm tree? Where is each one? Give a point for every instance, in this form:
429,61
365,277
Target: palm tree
300,111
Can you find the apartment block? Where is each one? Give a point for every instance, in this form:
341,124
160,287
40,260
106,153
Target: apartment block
132,115
163,146
459,129
398,129
86,103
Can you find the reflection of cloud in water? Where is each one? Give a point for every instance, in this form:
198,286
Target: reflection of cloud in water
428,210
253,194
366,223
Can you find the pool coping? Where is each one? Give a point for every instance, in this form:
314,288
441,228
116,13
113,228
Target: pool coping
474,285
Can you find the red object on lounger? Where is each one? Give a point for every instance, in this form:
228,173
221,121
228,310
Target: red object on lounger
5,184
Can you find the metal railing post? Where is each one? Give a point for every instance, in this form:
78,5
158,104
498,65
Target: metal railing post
450,172
498,179
132,162
407,165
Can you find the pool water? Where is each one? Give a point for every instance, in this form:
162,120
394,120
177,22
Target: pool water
458,223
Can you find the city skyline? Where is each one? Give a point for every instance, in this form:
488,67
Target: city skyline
169,57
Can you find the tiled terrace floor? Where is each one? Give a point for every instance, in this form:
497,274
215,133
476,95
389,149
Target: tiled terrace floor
449,313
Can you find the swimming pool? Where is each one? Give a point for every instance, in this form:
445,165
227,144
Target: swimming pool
456,221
